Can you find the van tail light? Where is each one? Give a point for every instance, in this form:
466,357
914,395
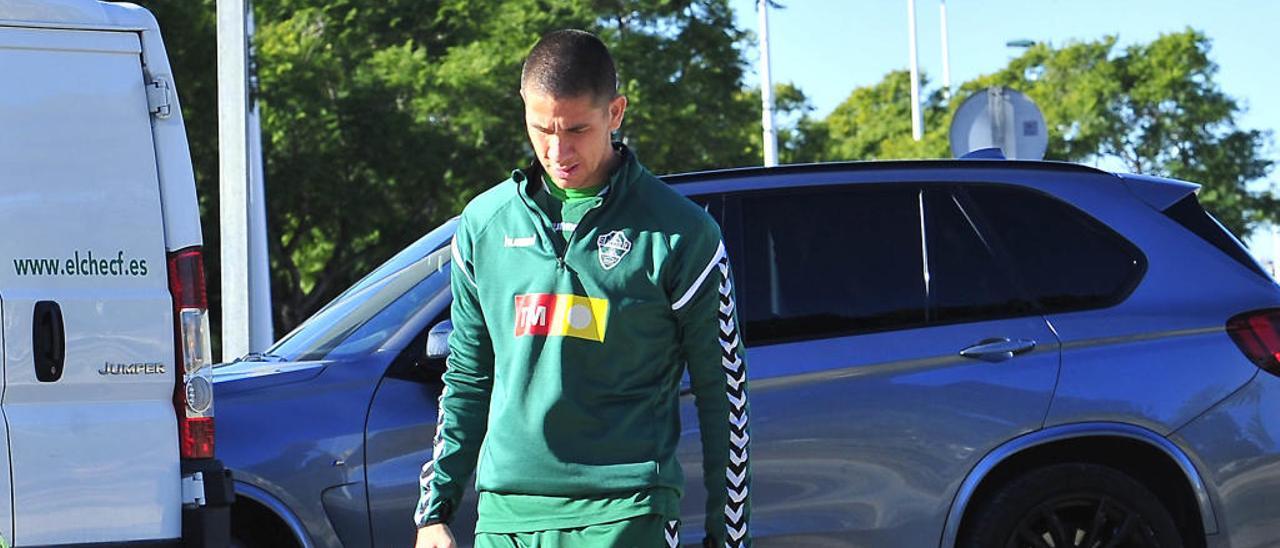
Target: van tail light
1257,333
193,391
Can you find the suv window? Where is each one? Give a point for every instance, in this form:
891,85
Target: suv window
828,262
967,281
1188,213
1066,259
360,321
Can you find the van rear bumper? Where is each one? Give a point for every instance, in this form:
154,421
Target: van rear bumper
208,525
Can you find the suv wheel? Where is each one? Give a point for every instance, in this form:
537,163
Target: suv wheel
1071,506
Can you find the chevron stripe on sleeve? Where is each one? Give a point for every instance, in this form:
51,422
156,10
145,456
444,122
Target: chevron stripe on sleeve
429,469
736,476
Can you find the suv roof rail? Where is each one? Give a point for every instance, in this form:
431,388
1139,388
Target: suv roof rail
874,165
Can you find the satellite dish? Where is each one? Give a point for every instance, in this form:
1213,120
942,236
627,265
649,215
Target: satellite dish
1002,118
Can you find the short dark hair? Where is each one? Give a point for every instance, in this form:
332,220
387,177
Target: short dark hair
570,63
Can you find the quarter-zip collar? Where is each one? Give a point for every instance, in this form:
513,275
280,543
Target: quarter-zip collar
530,182
571,195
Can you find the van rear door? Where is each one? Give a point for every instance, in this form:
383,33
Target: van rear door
88,321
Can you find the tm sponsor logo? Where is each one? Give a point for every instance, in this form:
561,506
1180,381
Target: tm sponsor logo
561,315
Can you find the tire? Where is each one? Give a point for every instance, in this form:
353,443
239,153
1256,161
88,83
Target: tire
254,526
1071,506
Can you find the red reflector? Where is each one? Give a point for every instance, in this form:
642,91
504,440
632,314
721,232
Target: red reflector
1257,333
186,279
196,436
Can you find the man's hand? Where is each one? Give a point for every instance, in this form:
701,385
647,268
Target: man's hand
435,536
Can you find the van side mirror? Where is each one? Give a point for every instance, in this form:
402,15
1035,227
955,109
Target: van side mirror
438,340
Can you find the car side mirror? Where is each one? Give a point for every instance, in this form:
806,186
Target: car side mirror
438,340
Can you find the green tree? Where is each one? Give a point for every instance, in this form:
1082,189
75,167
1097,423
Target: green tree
381,119
791,108
874,122
1156,107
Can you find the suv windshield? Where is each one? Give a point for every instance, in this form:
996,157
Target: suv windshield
364,315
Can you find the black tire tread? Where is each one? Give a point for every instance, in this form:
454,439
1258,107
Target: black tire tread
993,518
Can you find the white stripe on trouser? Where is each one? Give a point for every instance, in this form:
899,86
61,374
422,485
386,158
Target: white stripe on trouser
673,533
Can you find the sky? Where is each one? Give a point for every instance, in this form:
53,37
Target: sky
829,47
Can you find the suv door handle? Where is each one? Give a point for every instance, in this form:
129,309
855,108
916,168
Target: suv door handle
998,350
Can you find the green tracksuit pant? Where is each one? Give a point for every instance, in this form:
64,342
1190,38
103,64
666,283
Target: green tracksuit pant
647,531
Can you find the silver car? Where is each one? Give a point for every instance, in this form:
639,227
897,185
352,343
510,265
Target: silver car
974,353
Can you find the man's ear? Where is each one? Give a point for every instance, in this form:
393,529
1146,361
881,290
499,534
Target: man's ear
617,107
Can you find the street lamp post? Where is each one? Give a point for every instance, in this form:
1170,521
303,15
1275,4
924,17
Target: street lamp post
917,130
946,55
766,90
233,174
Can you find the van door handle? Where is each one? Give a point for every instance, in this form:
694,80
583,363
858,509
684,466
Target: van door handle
999,349
48,341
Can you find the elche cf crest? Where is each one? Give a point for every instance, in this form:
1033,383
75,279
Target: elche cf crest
612,248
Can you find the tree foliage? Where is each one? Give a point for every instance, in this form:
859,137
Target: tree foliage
1154,107
381,119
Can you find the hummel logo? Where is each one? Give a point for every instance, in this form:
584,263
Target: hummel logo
524,241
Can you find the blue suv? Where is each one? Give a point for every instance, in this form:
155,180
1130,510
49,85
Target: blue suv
974,353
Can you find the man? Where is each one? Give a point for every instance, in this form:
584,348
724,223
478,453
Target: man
582,286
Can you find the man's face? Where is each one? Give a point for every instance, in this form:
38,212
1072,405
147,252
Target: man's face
571,136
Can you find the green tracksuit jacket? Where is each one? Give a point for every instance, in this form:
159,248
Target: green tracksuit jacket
566,356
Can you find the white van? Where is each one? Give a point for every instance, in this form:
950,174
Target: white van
107,430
